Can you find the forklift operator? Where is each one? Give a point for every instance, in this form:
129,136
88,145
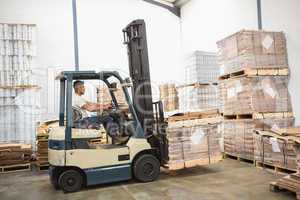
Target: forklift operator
83,105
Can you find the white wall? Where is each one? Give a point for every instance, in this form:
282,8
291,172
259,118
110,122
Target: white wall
283,15
100,25
205,22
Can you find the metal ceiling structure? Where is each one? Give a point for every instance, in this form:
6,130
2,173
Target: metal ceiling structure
171,5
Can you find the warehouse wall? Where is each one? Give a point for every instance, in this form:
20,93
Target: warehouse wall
204,23
283,15
100,25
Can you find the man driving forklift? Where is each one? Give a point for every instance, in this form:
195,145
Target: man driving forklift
81,105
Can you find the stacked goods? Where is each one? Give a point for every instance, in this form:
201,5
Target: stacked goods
197,97
19,96
169,97
289,182
104,97
17,50
254,89
222,92
253,49
202,67
291,136
194,139
14,157
257,94
275,150
200,91
42,142
238,133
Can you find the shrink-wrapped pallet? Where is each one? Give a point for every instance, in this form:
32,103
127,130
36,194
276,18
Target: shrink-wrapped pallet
256,94
194,142
252,49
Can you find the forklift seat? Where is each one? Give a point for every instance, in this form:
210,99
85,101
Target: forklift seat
77,114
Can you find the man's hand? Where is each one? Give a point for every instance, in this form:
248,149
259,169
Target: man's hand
107,106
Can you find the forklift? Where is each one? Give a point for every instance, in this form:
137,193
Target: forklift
138,150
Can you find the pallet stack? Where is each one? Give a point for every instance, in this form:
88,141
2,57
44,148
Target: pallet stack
194,139
253,88
273,149
199,93
169,96
15,157
104,97
198,97
201,67
291,136
19,95
42,143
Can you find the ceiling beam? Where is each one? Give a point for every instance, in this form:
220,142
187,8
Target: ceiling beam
173,9
180,3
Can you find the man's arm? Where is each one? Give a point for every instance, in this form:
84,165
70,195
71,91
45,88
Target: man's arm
94,107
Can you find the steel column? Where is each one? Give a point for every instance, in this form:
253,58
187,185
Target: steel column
75,35
259,14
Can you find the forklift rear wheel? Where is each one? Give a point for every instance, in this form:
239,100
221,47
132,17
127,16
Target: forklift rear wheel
70,181
146,168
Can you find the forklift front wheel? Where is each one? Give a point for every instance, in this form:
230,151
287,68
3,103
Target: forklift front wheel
146,168
70,181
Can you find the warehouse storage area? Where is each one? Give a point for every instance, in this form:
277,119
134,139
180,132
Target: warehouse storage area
149,99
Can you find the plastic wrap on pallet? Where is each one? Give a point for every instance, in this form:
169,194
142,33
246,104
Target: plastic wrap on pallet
256,94
238,134
20,112
194,141
253,49
198,97
24,32
202,67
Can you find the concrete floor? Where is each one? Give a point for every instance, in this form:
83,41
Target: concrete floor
228,180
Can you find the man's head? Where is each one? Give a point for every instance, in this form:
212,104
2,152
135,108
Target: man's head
79,87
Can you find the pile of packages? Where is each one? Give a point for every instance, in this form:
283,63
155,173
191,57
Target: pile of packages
104,97
194,140
169,97
254,49
275,148
253,91
14,154
42,142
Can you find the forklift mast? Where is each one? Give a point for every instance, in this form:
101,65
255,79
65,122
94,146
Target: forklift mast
136,41
154,127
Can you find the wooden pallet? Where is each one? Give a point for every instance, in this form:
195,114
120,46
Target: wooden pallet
257,115
261,71
195,115
15,168
42,138
21,87
193,163
277,187
238,158
274,168
197,85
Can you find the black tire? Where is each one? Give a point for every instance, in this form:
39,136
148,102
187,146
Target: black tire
146,168
70,181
